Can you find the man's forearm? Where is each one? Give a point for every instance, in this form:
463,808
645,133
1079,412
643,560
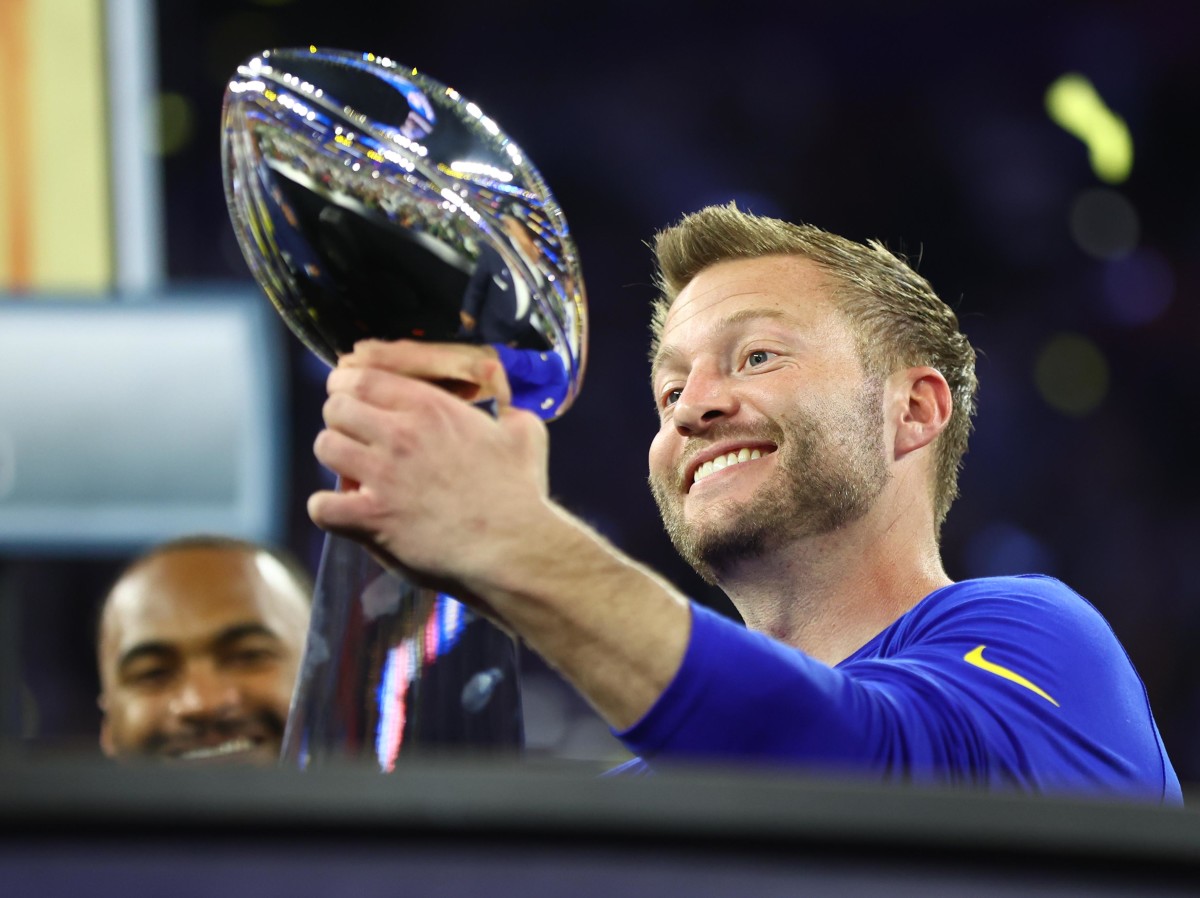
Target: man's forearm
610,626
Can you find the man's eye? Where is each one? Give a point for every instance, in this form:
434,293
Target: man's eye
672,396
759,357
250,656
149,676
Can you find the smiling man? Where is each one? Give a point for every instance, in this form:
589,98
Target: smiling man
199,644
815,397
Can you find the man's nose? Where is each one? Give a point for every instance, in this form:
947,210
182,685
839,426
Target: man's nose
708,395
204,692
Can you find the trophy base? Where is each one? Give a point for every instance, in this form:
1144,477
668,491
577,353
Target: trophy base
391,670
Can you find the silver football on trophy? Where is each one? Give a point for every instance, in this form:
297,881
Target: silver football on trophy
372,201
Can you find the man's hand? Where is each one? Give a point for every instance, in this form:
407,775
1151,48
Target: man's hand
435,482
457,499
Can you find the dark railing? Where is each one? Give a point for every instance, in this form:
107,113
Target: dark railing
498,829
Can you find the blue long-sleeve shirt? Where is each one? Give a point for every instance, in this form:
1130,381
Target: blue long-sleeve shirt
998,683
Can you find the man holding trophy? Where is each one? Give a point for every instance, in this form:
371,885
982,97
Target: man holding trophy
815,399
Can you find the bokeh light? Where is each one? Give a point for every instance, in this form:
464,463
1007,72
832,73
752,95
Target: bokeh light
1071,374
1137,288
176,123
1073,103
1104,224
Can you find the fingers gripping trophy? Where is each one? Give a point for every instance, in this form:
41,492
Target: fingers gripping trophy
373,202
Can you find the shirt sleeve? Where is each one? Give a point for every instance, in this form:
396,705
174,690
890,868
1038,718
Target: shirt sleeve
925,713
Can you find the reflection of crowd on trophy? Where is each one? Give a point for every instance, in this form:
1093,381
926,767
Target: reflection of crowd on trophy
496,308
342,171
350,180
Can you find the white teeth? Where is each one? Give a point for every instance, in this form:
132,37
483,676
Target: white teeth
216,751
725,461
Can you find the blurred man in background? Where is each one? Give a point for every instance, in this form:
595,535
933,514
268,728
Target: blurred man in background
199,644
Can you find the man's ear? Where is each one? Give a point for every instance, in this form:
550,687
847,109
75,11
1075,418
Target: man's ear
106,739
925,408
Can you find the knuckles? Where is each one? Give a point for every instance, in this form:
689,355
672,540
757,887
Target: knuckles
356,382
525,426
391,355
325,446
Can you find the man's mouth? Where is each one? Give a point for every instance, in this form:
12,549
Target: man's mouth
721,462
227,749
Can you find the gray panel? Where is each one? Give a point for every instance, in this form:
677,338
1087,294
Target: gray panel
123,424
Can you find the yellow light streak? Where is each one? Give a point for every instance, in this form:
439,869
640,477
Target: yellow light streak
1076,107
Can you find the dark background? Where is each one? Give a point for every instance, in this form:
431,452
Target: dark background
920,124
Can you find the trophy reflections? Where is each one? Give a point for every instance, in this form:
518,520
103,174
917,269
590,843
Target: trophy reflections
372,201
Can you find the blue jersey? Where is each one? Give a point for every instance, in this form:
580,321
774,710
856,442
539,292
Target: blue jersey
1000,683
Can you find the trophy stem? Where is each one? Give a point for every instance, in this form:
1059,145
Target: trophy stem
391,670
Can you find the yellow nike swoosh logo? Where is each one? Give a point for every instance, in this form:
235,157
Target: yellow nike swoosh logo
975,658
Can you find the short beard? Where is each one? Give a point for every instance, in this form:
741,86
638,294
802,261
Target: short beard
834,468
